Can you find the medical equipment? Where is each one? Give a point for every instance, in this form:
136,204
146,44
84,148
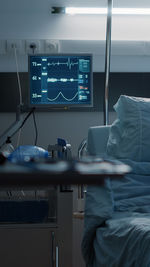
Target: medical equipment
62,81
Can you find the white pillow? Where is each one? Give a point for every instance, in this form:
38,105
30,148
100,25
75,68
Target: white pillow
130,133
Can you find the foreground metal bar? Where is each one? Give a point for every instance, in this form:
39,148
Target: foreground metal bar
42,175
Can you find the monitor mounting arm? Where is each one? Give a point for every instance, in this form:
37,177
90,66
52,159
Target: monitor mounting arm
15,126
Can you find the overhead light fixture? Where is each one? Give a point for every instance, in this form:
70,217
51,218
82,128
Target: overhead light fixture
99,11
85,10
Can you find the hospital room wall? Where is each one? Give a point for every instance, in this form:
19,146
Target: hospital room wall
32,20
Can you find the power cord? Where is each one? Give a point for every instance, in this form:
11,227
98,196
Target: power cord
18,76
20,89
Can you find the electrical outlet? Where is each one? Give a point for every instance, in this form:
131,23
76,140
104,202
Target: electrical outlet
12,44
52,46
32,46
2,47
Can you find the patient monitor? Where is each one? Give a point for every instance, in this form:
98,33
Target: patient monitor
60,81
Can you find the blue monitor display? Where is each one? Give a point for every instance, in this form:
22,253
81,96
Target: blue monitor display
60,80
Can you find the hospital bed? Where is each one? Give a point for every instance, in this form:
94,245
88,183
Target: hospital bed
117,215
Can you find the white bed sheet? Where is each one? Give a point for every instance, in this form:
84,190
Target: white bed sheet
117,220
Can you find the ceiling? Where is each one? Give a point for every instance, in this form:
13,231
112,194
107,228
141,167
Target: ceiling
101,3
34,5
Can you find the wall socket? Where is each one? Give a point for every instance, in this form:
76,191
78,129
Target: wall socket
12,44
52,46
32,46
29,46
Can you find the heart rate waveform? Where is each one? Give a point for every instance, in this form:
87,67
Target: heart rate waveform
68,63
61,94
53,80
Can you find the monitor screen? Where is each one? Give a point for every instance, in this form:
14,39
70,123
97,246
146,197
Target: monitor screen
60,80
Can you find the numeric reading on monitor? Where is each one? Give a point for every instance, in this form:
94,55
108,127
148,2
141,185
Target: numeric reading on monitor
64,80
